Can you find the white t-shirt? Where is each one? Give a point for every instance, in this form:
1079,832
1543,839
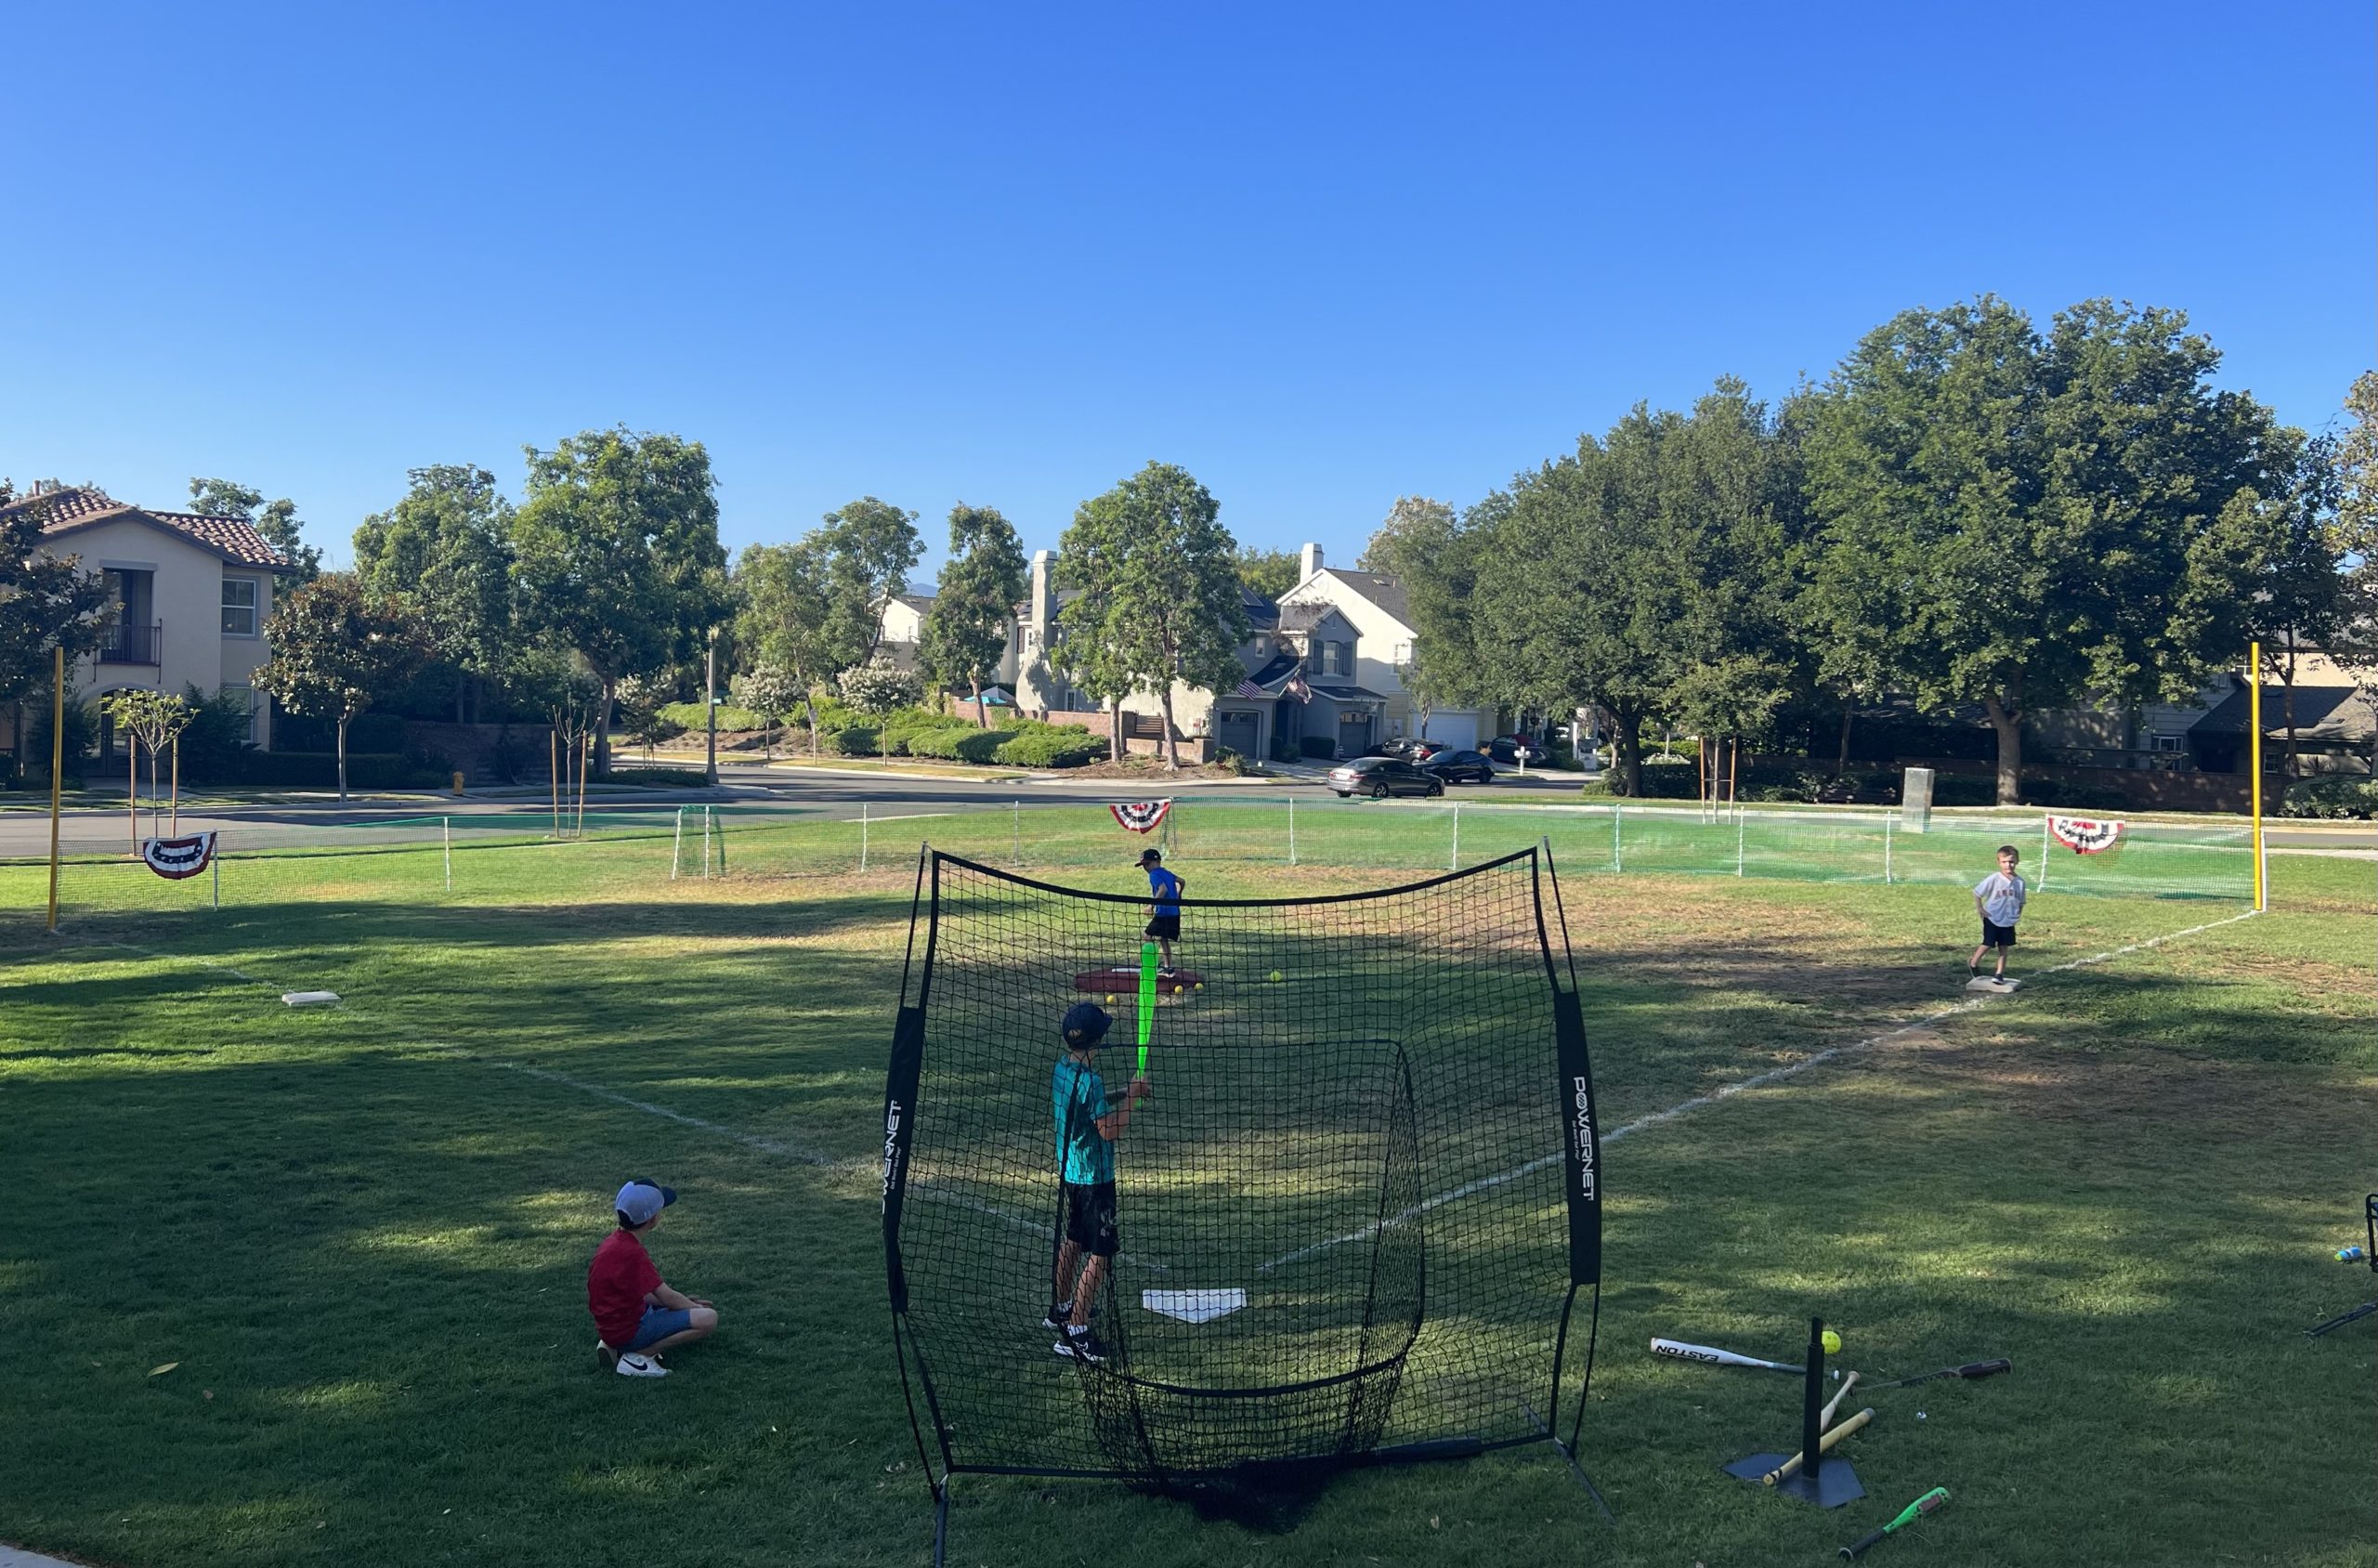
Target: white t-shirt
2001,897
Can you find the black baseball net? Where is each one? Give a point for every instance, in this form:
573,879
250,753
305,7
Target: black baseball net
1354,1215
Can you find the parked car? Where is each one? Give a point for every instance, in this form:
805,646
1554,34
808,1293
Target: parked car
1508,748
1381,776
1460,768
1407,748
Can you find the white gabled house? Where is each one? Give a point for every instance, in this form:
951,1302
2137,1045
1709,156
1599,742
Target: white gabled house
1373,604
191,594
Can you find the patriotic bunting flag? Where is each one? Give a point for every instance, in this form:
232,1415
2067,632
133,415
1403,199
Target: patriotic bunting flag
1140,816
177,858
2083,836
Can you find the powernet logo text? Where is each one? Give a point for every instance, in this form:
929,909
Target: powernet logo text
891,1147
1581,1135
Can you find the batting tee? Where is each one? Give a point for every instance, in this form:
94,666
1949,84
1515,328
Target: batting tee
1355,1215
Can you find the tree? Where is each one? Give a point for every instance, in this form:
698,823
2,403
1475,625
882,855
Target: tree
771,691
1268,573
640,699
2313,593
868,547
880,687
966,631
783,590
335,649
44,602
618,556
2018,520
1160,598
150,719
1422,544
275,521
443,552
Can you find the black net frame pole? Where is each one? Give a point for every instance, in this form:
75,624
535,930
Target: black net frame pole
1449,959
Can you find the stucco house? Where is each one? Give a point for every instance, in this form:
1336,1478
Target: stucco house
191,595
900,623
1373,604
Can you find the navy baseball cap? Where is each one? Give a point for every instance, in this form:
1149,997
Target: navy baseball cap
1148,854
640,1200
1086,1025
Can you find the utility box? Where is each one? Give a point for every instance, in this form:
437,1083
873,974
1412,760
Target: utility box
1915,801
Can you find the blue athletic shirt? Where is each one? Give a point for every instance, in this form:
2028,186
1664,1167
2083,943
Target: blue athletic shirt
1079,1096
1167,889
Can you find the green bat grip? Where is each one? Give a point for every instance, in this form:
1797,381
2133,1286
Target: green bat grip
1147,1000
1915,1509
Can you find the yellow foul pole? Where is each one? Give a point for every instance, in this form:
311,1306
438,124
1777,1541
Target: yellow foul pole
57,765
2254,724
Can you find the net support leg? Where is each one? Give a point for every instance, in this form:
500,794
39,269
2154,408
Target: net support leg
1568,1457
2341,1319
862,835
941,1522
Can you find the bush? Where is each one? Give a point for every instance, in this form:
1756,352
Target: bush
1230,762
1959,789
319,770
854,741
2070,795
901,728
951,744
1320,746
688,715
1051,745
2334,796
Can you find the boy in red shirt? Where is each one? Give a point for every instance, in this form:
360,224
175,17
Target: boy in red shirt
636,1315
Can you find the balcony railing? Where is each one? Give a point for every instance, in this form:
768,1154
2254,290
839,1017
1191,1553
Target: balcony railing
130,643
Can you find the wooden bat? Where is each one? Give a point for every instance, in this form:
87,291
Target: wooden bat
1848,1382
1710,1355
1791,1467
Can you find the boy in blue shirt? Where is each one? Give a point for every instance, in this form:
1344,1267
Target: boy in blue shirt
1087,1125
1164,913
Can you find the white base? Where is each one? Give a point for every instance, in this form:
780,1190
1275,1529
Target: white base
1986,983
1194,1306
309,999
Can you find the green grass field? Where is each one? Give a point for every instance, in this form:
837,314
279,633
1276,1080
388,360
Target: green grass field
360,1233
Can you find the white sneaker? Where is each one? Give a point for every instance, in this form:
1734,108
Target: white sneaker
635,1363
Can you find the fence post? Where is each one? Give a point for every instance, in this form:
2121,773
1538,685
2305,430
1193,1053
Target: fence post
450,851
1017,806
2044,842
722,840
1292,829
1738,841
1454,863
1886,847
218,876
862,835
677,843
705,843
1617,839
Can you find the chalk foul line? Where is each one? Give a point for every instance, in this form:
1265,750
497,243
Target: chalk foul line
1757,1080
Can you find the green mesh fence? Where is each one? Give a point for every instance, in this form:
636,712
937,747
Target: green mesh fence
526,855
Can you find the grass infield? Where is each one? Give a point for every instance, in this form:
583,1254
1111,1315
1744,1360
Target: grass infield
359,1234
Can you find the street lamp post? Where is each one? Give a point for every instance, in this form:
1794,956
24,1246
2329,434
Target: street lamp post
710,710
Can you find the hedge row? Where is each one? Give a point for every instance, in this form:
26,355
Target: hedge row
365,770
2336,795
1019,743
688,715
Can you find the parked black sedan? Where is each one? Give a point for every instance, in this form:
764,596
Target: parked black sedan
1381,776
1460,768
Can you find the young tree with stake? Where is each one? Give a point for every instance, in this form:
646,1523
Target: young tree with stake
335,650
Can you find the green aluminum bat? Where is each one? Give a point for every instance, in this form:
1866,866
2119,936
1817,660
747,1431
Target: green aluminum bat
1147,1000
1907,1515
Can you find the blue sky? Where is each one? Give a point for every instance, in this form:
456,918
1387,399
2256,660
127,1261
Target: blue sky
1322,256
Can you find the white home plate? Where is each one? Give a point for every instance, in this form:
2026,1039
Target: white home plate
1193,1306
309,999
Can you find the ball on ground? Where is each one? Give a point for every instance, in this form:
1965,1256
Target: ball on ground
1275,976
1832,1342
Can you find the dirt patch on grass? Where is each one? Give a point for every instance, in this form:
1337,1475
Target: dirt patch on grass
2142,1083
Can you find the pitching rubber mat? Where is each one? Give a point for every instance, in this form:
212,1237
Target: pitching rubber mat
1125,982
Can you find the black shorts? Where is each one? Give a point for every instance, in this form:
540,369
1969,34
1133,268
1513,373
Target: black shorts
1996,936
1166,926
1089,1216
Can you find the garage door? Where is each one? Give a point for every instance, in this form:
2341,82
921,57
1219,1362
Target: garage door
1457,730
1237,730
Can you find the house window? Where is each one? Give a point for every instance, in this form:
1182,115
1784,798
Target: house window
245,694
2167,743
1333,658
239,607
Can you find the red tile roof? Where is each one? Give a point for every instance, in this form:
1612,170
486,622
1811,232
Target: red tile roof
83,505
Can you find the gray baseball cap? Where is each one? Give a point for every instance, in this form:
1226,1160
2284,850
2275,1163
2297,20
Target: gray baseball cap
640,1200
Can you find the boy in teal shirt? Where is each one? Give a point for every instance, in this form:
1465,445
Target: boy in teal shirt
1086,1126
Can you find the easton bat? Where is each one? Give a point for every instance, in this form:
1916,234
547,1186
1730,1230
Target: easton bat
1710,1355
1907,1515
1970,1370
1791,1467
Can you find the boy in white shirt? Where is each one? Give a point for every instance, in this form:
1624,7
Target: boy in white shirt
1998,898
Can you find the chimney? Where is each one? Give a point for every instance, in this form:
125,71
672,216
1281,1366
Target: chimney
1044,599
1311,561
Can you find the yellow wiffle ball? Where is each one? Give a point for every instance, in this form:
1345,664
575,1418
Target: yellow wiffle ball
1276,975
1832,1342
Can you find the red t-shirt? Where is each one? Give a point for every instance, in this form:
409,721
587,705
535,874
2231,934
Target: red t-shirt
616,1282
